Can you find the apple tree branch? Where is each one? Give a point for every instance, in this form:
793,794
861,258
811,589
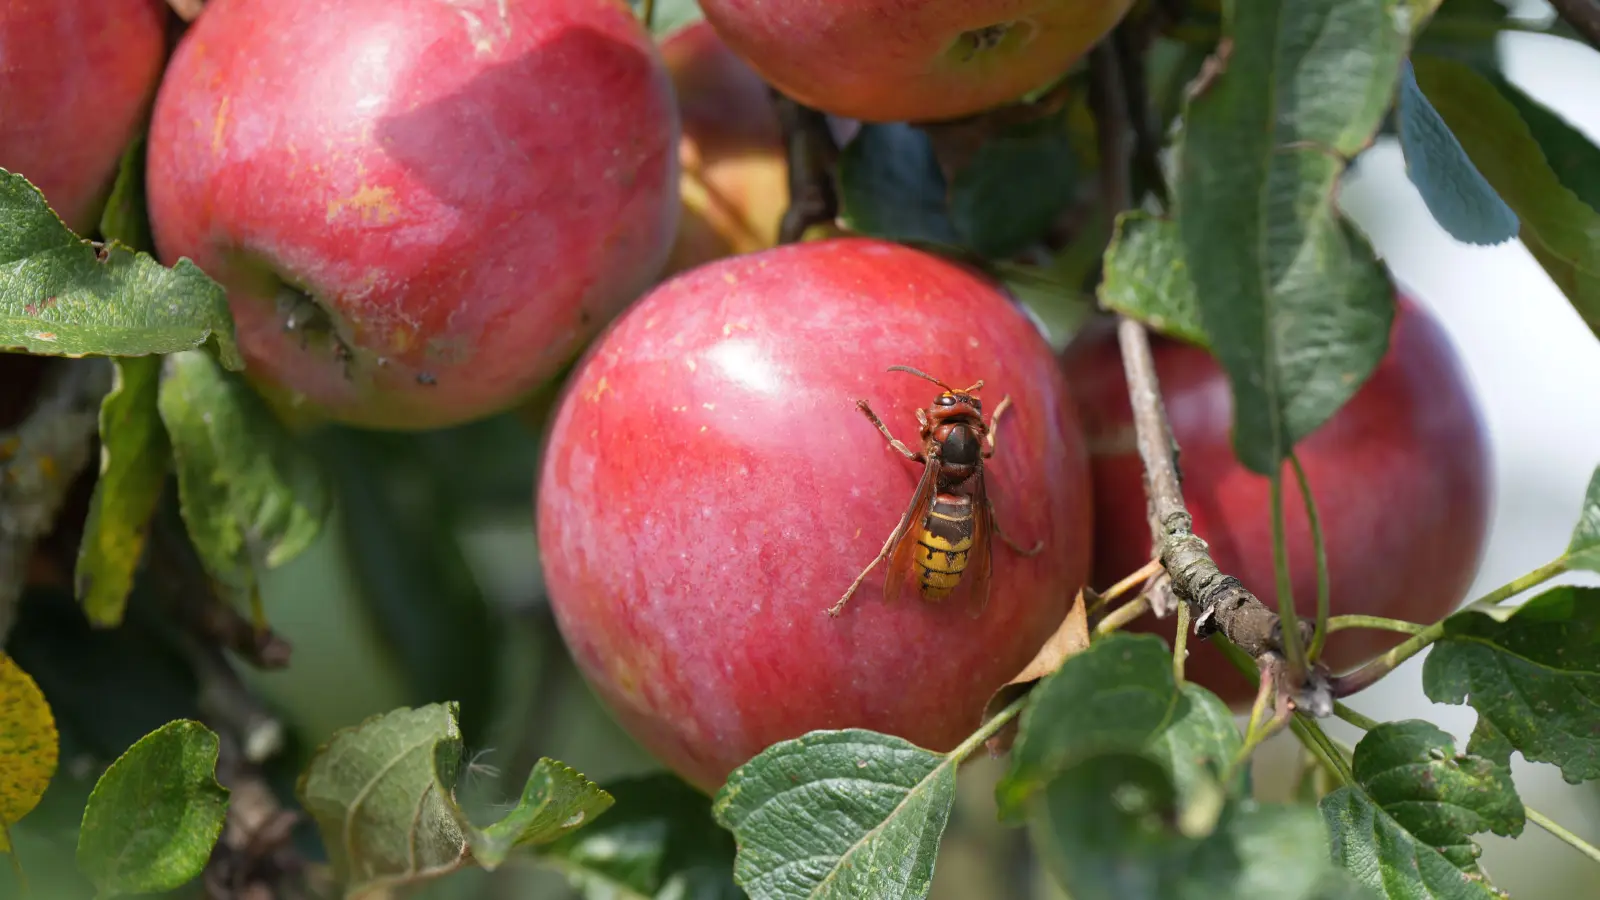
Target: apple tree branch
1218,602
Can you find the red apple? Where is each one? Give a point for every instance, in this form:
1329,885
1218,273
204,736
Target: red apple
891,61
420,210
75,82
735,179
710,489
1401,476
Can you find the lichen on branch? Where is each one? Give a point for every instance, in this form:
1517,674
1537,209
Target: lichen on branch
39,460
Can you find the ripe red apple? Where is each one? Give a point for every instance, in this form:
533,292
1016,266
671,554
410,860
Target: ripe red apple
420,210
891,61
1401,476
710,489
735,179
75,82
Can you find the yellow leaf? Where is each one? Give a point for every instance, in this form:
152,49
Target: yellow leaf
29,746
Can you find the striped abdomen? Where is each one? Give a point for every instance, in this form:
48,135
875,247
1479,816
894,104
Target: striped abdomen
944,543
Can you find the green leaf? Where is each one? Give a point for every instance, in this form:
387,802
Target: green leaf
1456,193
556,801
1378,852
841,814
1297,306
134,456
1116,697
381,795
155,814
891,187
1411,770
1015,187
1199,745
1146,278
1546,171
1535,677
30,746
1583,551
60,297
659,841
1104,828
252,497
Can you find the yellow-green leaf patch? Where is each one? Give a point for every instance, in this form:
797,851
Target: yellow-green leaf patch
134,458
29,746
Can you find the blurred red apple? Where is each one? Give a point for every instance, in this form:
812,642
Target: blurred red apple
710,489
75,82
1401,476
420,210
892,61
735,179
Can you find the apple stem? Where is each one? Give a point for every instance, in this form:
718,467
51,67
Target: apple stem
812,155
647,15
1124,614
1217,602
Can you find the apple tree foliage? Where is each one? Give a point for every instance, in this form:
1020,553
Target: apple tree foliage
119,728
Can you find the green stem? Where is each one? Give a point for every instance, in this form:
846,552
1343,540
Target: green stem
1292,650
1252,739
1320,634
1565,836
989,729
1376,623
1180,642
1516,586
1123,614
1354,718
1150,570
1375,671
1321,746
647,15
